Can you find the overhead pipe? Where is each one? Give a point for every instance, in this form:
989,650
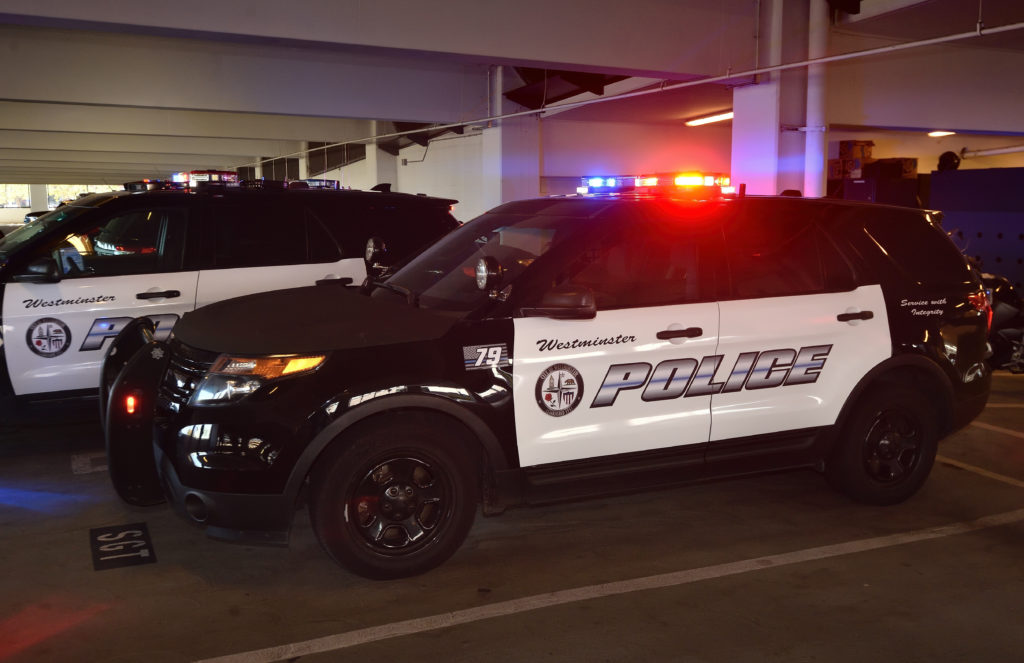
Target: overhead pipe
970,154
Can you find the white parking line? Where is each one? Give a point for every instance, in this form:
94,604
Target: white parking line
529,603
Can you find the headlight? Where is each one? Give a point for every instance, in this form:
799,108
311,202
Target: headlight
232,378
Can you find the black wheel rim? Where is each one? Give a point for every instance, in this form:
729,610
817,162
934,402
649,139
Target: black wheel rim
400,505
892,447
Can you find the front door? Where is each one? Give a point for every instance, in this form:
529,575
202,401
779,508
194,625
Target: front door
635,377
122,267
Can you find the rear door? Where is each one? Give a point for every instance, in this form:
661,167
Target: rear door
797,332
116,267
634,378
256,243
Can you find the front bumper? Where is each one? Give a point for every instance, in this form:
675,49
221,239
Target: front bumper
245,517
233,495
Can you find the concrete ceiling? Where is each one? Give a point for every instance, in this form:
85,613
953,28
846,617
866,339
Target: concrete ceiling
95,97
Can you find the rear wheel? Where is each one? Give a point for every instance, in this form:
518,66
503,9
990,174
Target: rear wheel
397,500
887,447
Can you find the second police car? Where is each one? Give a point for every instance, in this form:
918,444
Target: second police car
72,280
557,348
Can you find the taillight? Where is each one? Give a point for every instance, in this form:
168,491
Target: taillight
979,301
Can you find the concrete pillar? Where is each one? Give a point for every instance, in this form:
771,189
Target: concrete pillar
815,139
386,165
511,152
755,138
768,147
37,197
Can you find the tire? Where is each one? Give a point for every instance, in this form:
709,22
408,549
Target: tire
887,447
396,498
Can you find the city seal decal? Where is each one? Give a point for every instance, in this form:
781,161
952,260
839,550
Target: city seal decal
48,337
559,390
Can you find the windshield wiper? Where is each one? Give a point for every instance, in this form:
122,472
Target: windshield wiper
411,298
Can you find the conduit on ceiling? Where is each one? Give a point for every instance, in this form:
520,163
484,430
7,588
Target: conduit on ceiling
1010,149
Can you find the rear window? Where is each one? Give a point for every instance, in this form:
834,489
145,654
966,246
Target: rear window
917,247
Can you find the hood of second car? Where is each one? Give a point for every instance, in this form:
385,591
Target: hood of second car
307,320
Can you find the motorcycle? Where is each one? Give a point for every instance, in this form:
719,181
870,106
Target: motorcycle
1006,335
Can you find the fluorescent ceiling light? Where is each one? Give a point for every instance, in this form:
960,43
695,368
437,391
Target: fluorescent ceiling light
940,134
718,117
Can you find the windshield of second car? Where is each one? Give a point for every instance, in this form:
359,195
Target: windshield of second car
444,277
10,242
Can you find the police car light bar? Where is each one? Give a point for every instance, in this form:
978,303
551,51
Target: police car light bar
660,182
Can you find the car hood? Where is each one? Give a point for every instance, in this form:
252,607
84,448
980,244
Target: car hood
308,320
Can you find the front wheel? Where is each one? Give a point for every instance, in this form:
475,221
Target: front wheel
887,448
397,500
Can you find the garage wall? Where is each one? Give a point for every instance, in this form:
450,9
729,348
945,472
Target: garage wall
953,87
575,149
13,214
452,167
455,166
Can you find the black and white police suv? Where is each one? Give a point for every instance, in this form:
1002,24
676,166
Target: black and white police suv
71,280
558,348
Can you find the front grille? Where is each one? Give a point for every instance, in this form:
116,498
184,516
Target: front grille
185,369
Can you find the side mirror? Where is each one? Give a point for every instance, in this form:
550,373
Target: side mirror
376,250
564,302
40,270
488,273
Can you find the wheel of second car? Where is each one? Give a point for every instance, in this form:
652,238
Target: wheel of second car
396,498
887,447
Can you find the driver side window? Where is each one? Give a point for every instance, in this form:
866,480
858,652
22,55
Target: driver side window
135,242
653,266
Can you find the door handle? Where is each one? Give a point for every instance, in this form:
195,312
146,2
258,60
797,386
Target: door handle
157,295
860,315
345,280
689,332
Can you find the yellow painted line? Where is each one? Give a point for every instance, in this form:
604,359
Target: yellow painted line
998,429
332,643
1006,405
980,471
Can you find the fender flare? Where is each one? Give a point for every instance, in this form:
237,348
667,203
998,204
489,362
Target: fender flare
902,363
488,441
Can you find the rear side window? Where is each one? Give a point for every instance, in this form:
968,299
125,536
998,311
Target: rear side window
406,229
917,247
778,250
263,233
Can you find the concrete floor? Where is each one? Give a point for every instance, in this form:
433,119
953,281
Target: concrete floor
772,568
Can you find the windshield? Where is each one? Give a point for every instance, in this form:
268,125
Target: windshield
444,277
10,242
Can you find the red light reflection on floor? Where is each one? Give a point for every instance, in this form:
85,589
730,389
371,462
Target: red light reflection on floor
41,621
